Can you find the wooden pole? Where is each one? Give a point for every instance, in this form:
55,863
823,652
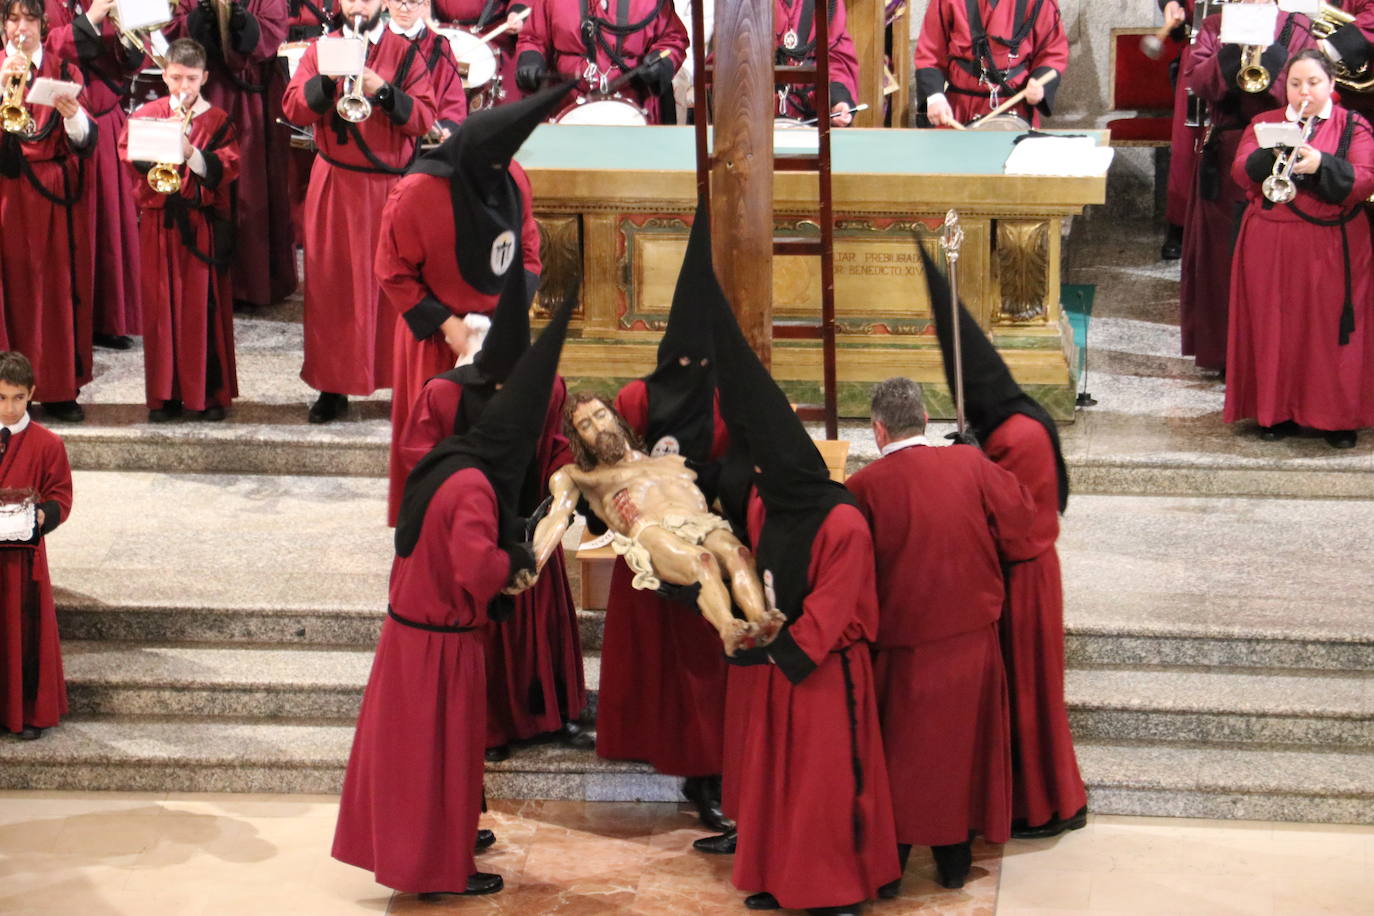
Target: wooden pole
742,175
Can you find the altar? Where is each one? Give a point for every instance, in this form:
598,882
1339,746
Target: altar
615,204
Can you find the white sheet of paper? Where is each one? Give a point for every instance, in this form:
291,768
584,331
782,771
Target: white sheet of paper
1072,156
1249,24
45,91
340,56
155,140
1281,133
1309,7
139,14
159,42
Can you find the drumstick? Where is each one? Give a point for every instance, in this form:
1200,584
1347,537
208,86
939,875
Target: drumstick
856,108
519,17
652,57
1039,81
1152,46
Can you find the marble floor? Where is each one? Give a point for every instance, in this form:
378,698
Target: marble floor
109,854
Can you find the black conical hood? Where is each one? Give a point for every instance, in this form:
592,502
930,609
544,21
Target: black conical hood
509,335
991,394
501,444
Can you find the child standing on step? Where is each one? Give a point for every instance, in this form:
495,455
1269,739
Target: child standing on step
35,497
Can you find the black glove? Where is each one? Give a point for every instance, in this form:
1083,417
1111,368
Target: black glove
747,657
966,438
529,70
683,594
521,557
238,17
200,24
657,77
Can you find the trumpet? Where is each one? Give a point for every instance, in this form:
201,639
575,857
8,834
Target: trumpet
14,115
352,105
137,39
1328,20
1279,187
1253,76
165,177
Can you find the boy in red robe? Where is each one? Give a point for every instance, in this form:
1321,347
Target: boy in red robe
1017,433
794,37
348,329
973,54
45,268
33,464
480,17
941,520
413,790
408,18
188,314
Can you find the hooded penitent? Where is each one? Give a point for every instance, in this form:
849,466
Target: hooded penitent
991,394
682,397
476,161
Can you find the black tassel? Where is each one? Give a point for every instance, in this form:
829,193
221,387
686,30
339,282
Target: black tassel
851,706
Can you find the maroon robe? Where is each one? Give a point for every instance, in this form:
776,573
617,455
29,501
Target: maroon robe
1046,783
188,305
450,100
1183,149
940,518
1355,44
413,790
106,66
946,62
45,267
662,693
32,691
807,833
309,19
795,17
348,329
555,31
467,15
414,260
1288,283
1209,230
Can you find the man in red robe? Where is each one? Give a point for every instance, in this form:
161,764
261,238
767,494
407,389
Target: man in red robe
942,519
597,44
794,37
662,693
188,314
974,54
1017,433
33,461
413,790
481,17
45,264
106,65
348,329
807,782
407,18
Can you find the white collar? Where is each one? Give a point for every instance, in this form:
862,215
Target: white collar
201,105
19,427
36,58
413,33
1291,113
373,37
903,443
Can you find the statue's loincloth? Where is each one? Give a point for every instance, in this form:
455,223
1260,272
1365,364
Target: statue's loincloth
694,529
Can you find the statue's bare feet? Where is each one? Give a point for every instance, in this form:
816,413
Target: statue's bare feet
769,628
736,634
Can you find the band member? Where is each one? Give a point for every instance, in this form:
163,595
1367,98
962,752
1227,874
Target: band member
794,37
974,54
1351,48
307,19
1183,138
246,82
1302,335
595,43
1213,71
1016,432
413,790
482,16
348,329
943,521
106,65
45,260
33,473
407,18
186,234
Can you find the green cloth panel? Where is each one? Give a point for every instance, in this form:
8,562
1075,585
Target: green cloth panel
1077,301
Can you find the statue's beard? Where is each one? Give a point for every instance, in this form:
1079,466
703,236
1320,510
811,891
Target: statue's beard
609,447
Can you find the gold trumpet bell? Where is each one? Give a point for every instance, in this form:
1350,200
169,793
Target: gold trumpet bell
1253,77
15,119
164,178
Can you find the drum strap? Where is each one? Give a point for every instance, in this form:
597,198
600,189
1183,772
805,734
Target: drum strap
984,65
177,214
594,27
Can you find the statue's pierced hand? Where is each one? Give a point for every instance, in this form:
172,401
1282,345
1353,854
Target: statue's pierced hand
521,581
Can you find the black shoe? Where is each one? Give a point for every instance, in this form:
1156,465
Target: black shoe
485,839
1052,827
952,863
168,412
704,793
893,888
478,883
849,909
212,414
66,411
1279,431
575,736
30,733
761,901
498,753
328,406
722,844
112,341
1172,249
1341,438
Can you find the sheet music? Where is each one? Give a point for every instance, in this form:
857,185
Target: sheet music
45,91
1249,23
140,14
1280,133
1065,156
1308,7
155,140
17,521
340,56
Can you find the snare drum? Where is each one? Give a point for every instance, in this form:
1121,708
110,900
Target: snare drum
292,52
476,61
612,112
1004,121
791,124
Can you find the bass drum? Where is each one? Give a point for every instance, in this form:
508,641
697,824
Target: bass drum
1004,121
145,86
476,60
606,112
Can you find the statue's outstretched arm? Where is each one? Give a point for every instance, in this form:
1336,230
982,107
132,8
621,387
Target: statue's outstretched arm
549,533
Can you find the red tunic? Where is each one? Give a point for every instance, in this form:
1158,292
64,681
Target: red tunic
467,15
940,519
1183,140
106,68
1285,361
799,15
796,802
1209,230
188,306
662,694
249,89
1046,782
348,330
554,29
308,19
32,691
413,790
946,62
450,100
45,267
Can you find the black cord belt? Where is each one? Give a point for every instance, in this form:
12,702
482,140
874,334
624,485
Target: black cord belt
427,627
